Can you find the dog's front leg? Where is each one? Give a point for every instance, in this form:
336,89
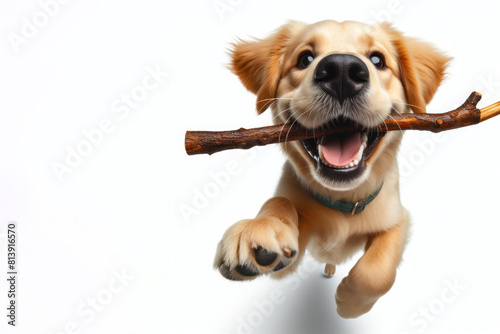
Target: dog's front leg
374,273
265,244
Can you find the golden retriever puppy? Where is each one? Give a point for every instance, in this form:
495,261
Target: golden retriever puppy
338,193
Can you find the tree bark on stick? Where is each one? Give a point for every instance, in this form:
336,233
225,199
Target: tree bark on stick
209,142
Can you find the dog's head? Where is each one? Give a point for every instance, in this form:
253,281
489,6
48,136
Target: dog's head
339,74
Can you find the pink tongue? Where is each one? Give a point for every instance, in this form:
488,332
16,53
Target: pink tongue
341,150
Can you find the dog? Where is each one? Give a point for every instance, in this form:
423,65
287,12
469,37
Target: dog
338,194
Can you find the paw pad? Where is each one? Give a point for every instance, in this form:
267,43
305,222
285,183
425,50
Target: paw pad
246,270
264,257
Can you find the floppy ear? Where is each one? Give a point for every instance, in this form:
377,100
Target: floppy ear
258,63
422,68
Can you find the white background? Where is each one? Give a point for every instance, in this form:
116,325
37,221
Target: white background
119,209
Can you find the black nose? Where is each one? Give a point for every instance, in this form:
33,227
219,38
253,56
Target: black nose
341,75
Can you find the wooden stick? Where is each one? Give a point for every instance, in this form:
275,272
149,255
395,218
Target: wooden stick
200,142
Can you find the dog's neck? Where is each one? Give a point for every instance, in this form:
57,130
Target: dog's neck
345,206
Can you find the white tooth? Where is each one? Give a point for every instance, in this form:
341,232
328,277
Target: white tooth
351,165
356,162
320,152
360,152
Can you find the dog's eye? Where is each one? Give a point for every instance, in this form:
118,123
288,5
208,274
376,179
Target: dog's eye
378,60
305,59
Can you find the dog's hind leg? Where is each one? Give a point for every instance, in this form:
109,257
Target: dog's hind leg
330,269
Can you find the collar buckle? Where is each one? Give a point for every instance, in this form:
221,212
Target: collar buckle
355,206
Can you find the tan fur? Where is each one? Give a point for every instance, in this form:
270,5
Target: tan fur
258,64
422,68
293,220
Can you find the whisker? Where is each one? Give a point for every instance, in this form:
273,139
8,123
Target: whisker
288,132
283,127
281,112
276,99
308,110
265,105
296,121
405,104
397,121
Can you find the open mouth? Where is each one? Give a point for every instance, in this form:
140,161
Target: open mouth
342,157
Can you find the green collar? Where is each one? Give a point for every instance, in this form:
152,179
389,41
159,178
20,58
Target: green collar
347,207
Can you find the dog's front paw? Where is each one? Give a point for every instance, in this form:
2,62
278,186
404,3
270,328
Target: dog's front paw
351,303
256,246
